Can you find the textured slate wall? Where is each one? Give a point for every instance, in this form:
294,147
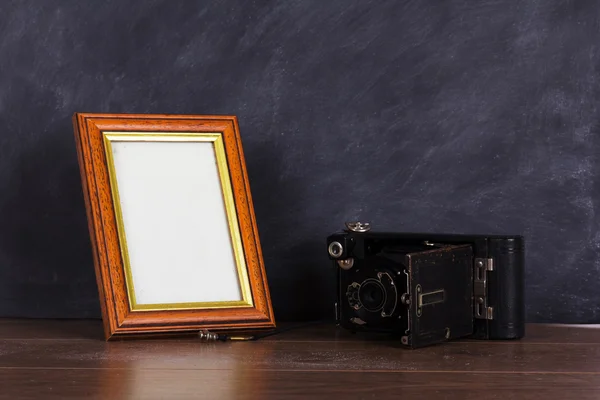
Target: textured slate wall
449,116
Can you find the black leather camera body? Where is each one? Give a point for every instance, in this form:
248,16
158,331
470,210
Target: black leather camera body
429,288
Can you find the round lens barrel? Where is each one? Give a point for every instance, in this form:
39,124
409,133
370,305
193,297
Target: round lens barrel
372,295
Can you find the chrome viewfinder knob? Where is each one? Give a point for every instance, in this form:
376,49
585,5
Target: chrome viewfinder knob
358,226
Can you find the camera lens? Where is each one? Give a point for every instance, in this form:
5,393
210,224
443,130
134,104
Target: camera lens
372,295
335,249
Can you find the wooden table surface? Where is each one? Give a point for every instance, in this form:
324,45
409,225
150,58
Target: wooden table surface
69,359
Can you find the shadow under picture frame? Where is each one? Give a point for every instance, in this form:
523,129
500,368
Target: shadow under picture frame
172,225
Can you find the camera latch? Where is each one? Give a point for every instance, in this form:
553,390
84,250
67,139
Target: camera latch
480,303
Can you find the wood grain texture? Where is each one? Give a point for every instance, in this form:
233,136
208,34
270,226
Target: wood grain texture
303,356
69,359
252,384
116,311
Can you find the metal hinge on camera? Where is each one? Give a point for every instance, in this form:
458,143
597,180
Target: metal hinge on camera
480,303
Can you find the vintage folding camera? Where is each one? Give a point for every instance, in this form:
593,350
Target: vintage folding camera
429,288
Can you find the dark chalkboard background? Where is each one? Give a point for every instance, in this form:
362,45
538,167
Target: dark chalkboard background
447,116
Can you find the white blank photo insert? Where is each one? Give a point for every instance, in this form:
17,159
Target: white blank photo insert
175,222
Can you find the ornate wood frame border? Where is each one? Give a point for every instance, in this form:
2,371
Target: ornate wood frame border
118,317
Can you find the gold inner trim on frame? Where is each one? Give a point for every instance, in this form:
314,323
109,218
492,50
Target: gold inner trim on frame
227,193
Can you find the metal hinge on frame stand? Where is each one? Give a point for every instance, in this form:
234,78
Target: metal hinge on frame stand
480,301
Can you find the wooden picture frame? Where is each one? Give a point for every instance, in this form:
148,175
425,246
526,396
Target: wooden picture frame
170,217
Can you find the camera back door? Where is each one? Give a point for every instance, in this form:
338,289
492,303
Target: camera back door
440,285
